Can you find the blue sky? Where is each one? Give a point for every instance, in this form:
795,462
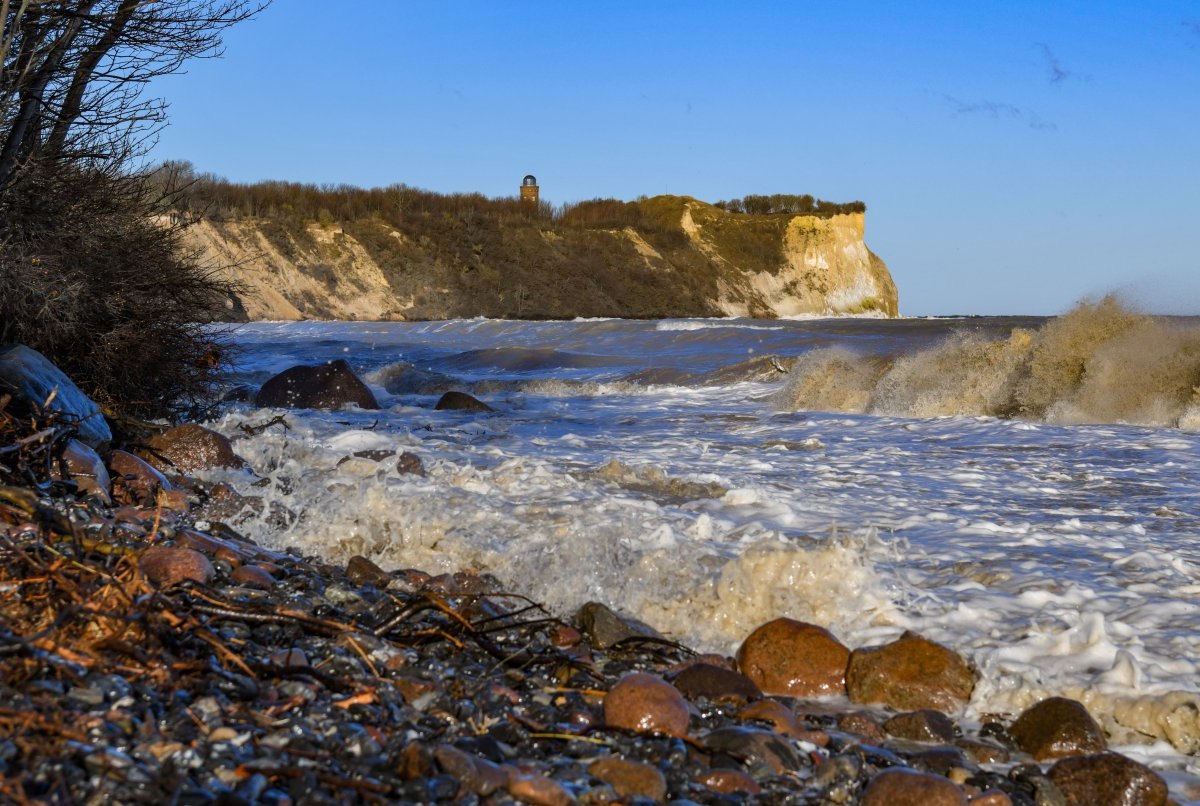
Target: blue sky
1014,157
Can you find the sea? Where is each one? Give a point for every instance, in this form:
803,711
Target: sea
1023,490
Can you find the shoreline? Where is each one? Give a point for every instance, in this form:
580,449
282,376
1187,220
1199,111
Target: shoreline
146,660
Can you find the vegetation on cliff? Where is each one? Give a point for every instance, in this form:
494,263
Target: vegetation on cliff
461,255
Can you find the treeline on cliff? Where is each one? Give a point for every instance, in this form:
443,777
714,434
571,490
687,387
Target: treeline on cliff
217,198
89,277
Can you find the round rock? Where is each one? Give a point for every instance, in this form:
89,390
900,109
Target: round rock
461,401
716,684
630,779
925,725
901,787
909,674
165,566
190,447
1108,778
795,659
645,703
1057,727
324,386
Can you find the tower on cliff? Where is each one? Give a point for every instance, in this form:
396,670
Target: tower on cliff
529,189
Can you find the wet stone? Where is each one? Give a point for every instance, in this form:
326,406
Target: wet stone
539,790
861,724
252,576
901,787
361,571
925,725
323,386
410,463
1057,727
460,401
604,628
793,658
644,703
630,778
703,680
909,674
190,447
766,751
165,566
1108,778
729,782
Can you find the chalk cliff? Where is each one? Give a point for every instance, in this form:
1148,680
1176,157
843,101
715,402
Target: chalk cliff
690,259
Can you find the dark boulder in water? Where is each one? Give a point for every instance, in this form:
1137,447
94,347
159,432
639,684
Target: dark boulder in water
32,378
323,386
461,401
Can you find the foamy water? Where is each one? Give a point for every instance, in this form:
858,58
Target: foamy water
625,465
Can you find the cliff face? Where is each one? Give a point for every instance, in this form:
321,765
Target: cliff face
690,259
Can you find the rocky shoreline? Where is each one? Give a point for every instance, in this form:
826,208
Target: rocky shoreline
151,654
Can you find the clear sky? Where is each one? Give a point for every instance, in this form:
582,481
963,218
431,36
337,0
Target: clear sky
1014,157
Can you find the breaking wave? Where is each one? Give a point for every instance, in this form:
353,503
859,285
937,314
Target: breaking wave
1099,363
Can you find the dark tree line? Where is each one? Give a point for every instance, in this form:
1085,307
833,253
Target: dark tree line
790,203
89,275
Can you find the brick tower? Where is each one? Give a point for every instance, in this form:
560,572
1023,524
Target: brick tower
529,189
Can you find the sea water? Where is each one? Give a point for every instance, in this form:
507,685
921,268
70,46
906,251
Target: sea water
977,480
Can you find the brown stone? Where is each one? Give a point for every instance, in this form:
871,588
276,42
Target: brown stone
229,556
793,658
190,447
564,636
765,751
861,724
410,463
939,760
909,674
323,386
134,480
361,571
461,401
729,782
85,467
539,790
783,719
412,688
713,683
630,779
645,703
992,797
1108,778
473,773
415,761
902,787
925,725
251,576
165,566
604,627
1057,727
983,752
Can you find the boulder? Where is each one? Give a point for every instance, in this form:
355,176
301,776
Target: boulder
902,787
461,401
32,378
1108,778
1057,727
909,674
795,659
321,386
644,703
190,447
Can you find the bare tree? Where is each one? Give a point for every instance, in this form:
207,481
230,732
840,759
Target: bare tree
74,72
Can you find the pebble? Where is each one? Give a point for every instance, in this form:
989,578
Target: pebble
644,703
252,576
901,787
910,674
165,566
717,684
630,778
539,790
794,658
1057,727
1110,779
925,725
730,782
190,447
